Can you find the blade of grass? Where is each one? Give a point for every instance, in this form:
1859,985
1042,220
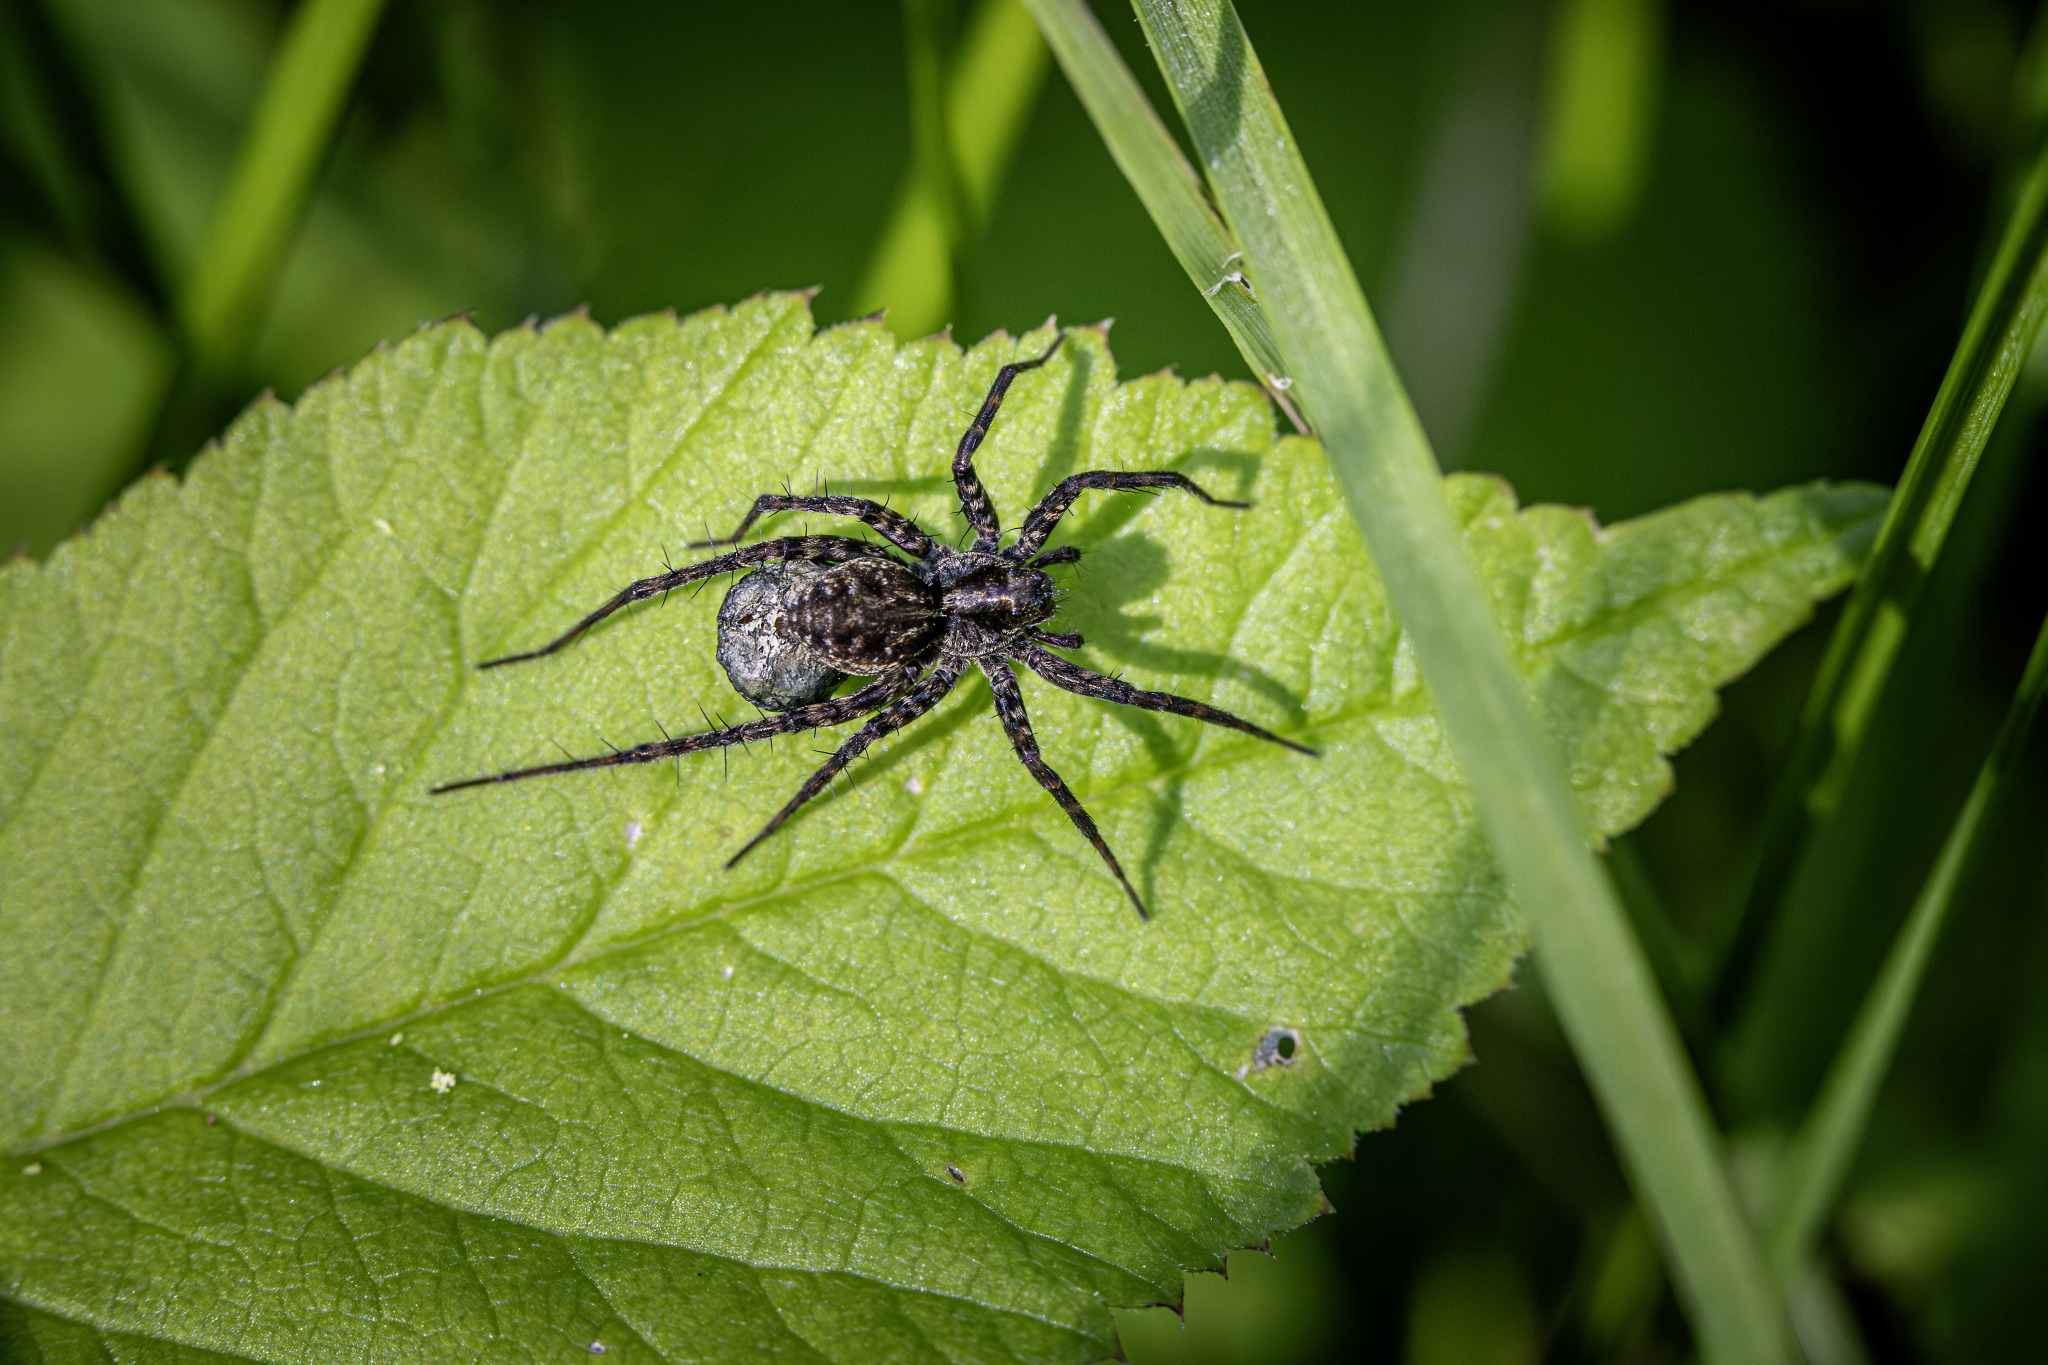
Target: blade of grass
965,125
221,305
1606,64
911,272
2005,317
1344,380
993,88
1168,187
1820,1155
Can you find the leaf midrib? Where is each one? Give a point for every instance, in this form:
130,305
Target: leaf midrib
549,976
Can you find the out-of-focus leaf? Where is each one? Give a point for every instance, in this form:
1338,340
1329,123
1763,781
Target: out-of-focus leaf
911,1082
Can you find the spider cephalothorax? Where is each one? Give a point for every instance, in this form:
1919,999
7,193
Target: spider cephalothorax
817,609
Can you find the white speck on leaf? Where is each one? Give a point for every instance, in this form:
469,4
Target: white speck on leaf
33,1168
397,1038
443,1082
915,786
382,525
726,973
633,829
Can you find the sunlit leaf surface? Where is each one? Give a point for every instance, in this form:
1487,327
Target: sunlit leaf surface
301,1064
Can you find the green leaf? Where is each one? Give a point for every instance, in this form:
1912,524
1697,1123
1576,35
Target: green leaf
911,1082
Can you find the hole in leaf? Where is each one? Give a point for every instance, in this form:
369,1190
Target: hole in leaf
1279,1047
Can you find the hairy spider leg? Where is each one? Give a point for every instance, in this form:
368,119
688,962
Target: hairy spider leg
900,530
1054,505
1066,554
817,549
1017,724
831,711
929,692
1088,683
1058,639
974,500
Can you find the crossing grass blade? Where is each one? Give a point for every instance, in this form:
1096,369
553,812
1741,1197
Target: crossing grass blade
1605,993
1168,187
2005,317
1821,1154
221,304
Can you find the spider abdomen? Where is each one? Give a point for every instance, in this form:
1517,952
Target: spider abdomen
866,616
761,656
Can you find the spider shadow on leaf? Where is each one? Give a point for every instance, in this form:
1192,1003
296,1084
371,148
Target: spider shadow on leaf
1117,573
1116,570
1119,570
1063,455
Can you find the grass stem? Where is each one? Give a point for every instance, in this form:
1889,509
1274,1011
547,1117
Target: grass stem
1345,382
967,116
223,302
1821,1154
1172,193
2004,319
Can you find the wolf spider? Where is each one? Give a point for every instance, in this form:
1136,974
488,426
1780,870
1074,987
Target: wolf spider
823,607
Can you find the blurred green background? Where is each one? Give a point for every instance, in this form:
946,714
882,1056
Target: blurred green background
1625,251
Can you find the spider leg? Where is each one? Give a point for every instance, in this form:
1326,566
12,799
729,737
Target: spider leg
900,530
1010,709
1088,683
974,500
1054,505
1058,639
831,711
899,713
817,549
